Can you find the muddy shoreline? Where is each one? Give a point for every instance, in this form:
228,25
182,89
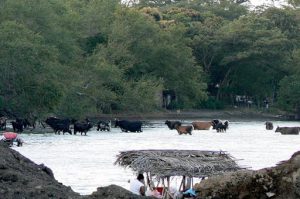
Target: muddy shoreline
228,114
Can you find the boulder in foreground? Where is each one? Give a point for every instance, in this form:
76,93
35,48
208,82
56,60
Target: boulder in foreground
279,182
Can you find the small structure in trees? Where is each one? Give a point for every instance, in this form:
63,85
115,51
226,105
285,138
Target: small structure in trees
163,164
169,98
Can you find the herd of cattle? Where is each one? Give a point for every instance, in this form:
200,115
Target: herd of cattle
220,126
64,126
58,125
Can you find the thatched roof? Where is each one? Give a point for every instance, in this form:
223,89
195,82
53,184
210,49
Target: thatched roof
163,163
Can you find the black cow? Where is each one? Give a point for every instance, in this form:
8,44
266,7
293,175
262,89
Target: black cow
172,124
132,126
269,125
26,123
59,125
214,123
288,130
222,126
82,127
17,126
3,123
103,126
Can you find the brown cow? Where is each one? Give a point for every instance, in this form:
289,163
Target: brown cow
184,129
202,125
288,130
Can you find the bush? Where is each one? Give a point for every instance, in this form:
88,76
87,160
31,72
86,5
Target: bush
211,103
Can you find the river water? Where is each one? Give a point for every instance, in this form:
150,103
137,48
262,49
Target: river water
87,162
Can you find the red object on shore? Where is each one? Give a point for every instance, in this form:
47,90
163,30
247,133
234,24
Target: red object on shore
10,135
160,190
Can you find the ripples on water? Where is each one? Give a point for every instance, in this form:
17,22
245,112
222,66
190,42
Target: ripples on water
86,162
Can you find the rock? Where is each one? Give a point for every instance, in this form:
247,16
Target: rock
21,178
281,181
114,192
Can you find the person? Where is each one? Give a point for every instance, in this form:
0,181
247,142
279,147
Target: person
137,185
10,137
189,193
266,102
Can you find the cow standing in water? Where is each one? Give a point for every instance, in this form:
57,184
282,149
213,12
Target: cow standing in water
220,126
103,126
131,126
269,125
288,130
17,126
82,127
202,125
3,123
59,125
172,124
184,129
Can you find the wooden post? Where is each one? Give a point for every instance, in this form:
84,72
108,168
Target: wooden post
164,188
188,182
149,182
168,188
158,182
183,185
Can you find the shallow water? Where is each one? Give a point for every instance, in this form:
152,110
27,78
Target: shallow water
87,162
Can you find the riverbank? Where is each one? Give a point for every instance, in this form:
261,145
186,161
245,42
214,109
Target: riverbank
204,114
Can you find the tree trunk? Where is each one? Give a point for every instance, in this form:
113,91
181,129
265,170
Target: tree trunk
223,83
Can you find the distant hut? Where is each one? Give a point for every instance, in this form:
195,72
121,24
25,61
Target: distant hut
163,164
169,98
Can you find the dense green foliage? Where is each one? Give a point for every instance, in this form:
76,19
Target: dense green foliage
76,58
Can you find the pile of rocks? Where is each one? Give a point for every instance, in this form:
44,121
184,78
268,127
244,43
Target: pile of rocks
21,178
281,181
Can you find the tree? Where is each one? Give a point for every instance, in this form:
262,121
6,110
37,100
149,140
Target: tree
289,93
53,20
26,65
250,45
142,49
295,3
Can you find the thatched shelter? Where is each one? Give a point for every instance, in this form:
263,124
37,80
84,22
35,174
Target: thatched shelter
163,164
191,163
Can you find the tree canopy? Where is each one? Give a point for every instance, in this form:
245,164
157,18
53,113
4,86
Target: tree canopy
76,58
